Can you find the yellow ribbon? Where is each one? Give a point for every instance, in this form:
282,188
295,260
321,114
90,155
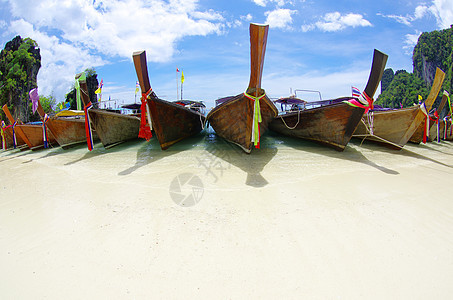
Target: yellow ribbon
256,118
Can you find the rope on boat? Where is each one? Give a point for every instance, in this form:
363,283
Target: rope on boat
298,119
369,129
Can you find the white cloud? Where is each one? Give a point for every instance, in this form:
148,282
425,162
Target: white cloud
279,3
280,18
335,21
419,13
78,33
410,42
260,2
442,10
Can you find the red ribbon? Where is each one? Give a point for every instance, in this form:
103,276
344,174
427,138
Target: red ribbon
88,126
145,130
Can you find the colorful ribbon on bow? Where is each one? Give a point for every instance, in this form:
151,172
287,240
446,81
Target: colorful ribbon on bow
426,130
3,135
145,127
14,135
44,131
88,131
445,127
436,119
77,87
256,119
363,101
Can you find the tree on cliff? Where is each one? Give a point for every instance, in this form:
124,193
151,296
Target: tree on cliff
434,49
402,91
387,78
19,65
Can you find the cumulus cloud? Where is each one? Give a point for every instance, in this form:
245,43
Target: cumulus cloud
280,18
410,42
76,34
419,13
442,10
335,21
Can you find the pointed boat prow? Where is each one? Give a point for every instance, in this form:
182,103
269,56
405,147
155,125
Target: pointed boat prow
435,88
258,41
19,130
243,118
141,69
377,69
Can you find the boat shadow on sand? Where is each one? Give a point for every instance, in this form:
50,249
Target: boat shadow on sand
151,152
99,150
252,164
350,153
430,148
403,152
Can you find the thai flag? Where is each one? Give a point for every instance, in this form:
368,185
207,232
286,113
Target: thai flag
355,92
101,84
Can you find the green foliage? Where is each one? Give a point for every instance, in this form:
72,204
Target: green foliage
92,83
387,78
435,49
19,63
404,89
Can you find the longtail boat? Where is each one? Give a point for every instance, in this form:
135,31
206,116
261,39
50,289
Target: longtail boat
68,130
419,134
394,127
330,122
171,121
111,128
9,138
36,136
242,119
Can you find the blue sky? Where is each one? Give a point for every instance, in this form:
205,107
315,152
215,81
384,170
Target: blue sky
317,45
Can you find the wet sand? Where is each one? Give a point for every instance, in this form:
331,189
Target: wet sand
292,220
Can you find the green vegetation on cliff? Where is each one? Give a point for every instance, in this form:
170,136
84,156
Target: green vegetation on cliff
19,65
403,89
433,50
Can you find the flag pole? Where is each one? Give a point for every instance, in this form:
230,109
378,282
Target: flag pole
182,81
177,87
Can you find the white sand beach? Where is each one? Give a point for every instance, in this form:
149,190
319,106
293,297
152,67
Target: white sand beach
293,220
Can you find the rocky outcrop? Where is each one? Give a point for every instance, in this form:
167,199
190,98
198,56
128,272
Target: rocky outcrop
20,62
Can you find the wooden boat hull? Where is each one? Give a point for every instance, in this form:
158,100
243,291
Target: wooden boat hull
232,120
34,136
449,132
9,139
391,127
433,130
113,128
331,125
173,122
417,137
395,127
68,132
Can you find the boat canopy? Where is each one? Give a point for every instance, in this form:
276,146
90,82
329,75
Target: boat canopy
190,103
70,113
290,101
